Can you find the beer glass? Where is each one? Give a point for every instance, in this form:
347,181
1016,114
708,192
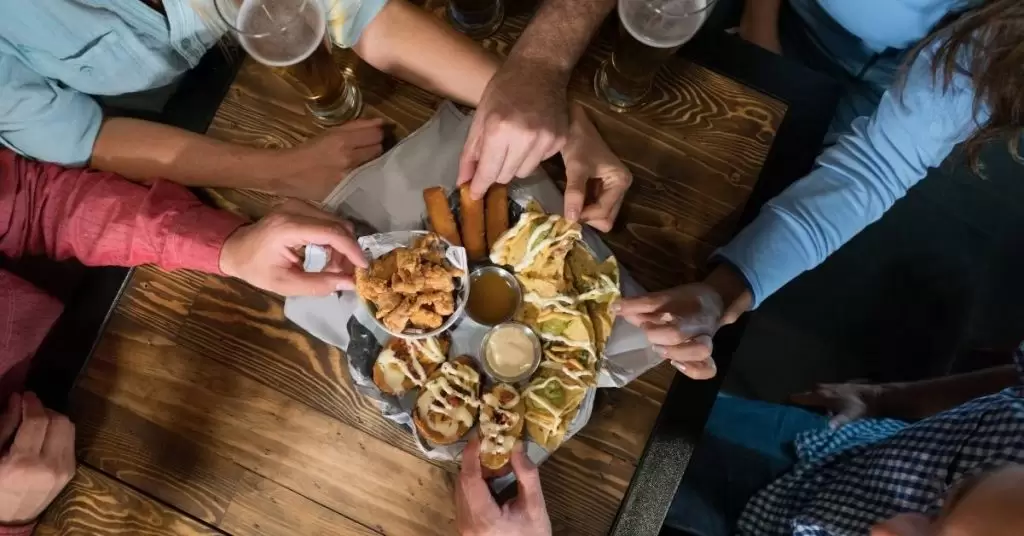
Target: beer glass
476,18
649,32
291,37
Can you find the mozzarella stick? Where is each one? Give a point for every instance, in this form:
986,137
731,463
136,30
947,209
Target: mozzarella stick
440,214
472,213
496,204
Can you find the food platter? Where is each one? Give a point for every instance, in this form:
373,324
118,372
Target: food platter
455,383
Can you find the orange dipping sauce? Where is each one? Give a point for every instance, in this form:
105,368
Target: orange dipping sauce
492,298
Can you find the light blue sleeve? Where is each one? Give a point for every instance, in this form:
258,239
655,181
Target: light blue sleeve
855,181
41,119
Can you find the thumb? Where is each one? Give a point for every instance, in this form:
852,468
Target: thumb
575,193
10,419
530,494
295,282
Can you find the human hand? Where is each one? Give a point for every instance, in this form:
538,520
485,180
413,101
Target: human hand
521,120
846,402
40,461
266,254
589,162
312,169
476,512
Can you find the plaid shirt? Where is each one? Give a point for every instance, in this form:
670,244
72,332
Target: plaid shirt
870,470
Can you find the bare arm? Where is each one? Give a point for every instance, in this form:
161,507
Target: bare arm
919,400
760,24
410,43
557,36
144,151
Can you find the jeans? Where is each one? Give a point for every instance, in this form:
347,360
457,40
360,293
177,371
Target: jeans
746,445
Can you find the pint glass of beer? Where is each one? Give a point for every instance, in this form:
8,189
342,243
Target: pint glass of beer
476,18
291,36
649,32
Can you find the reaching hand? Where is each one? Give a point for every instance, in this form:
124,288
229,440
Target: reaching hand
40,462
846,402
680,323
266,254
521,120
476,512
589,162
311,170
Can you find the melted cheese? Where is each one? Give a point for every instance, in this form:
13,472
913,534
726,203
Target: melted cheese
397,370
535,245
429,348
458,382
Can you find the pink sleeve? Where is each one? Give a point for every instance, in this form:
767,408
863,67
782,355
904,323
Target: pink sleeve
102,219
24,530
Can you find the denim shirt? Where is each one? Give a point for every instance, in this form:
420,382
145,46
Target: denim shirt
56,54
859,178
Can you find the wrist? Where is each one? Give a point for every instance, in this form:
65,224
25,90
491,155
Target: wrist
732,287
228,262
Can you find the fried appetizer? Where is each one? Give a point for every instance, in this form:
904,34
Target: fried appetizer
551,404
501,424
442,221
411,288
576,365
472,213
496,204
449,402
598,288
536,245
407,363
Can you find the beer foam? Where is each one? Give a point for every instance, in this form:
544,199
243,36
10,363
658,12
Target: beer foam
652,28
280,33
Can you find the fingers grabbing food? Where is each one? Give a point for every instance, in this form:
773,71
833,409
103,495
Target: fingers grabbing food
501,424
448,403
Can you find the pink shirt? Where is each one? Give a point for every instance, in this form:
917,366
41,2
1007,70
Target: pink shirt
100,219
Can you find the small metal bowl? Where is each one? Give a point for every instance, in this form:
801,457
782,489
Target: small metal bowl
534,339
509,278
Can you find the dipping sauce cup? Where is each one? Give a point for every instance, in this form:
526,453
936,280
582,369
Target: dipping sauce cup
510,352
494,295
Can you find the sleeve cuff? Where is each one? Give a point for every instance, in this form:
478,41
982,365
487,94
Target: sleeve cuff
23,530
198,240
768,253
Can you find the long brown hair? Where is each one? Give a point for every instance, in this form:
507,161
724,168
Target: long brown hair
985,43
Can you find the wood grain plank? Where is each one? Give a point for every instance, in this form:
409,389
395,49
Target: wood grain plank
159,300
583,487
245,330
94,503
153,460
274,436
264,507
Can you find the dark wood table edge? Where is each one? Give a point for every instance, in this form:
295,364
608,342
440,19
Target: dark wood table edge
811,99
66,351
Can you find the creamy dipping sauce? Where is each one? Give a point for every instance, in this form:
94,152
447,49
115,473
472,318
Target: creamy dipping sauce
509,352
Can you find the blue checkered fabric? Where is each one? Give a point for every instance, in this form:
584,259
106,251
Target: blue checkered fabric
870,470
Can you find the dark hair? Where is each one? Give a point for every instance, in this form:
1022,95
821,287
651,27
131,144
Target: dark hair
985,43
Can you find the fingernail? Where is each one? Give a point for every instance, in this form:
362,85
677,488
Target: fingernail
572,214
680,367
660,350
616,307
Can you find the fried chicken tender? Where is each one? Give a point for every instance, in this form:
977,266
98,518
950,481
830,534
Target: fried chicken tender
411,286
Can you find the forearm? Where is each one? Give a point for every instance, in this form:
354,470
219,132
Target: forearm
100,219
556,37
410,43
919,400
762,13
146,151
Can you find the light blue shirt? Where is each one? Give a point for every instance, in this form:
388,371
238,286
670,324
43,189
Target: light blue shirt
56,54
863,174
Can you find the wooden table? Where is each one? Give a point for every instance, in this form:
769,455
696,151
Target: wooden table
203,410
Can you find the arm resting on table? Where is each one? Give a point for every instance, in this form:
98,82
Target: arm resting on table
100,218
856,181
919,400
